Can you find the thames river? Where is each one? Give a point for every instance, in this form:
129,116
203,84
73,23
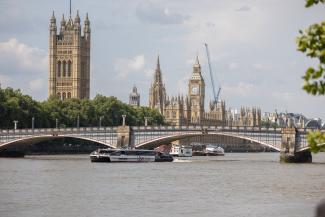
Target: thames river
236,185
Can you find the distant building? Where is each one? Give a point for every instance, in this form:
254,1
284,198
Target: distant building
189,110
282,119
134,98
69,58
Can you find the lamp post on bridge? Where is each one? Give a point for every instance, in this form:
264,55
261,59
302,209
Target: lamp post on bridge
100,121
15,124
56,123
123,123
145,121
78,121
33,121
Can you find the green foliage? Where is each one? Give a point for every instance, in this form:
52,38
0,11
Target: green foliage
312,42
310,3
16,106
316,141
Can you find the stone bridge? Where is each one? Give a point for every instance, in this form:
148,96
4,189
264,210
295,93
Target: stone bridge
287,140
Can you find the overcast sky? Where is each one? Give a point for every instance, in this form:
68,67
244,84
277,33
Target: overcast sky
252,47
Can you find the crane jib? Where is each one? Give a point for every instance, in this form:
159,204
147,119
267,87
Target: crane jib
216,96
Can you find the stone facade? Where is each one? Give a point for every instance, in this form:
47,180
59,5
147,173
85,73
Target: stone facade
69,58
190,110
134,98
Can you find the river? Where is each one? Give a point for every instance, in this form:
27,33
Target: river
236,185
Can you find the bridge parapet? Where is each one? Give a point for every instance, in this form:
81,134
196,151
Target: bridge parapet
271,137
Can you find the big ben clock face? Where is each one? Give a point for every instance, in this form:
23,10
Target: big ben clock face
195,90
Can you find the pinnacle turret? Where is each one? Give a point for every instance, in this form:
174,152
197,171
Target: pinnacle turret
197,62
158,72
158,63
77,19
53,23
53,20
87,27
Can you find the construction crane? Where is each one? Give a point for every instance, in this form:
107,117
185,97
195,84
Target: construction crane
215,95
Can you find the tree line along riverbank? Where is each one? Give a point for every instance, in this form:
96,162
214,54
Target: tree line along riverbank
102,110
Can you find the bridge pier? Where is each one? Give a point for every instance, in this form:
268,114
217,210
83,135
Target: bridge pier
288,154
125,138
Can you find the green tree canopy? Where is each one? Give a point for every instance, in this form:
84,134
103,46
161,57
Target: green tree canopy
16,106
312,43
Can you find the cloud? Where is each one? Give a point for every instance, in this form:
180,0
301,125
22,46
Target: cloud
258,66
23,67
17,58
149,12
243,9
149,72
37,84
124,66
240,89
210,24
233,66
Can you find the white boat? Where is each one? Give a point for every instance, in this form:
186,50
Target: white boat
214,151
129,155
133,156
181,151
101,155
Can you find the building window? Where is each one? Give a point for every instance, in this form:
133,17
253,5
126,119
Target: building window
174,114
59,95
58,68
69,68
69,95
64,95
64,67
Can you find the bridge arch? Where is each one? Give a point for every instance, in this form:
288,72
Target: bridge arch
170,138
22,143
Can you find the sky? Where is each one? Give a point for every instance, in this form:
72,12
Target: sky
252,47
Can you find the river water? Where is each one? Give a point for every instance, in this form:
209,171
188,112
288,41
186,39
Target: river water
236,185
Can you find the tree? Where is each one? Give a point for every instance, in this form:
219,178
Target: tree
16,106
312,42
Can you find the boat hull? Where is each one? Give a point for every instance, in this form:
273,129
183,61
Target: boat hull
215,154
96,158
136,156
129,158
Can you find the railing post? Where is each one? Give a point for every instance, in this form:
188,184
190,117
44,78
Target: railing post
33,120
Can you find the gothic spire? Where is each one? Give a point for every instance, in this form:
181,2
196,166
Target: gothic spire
62,21
158,63
70,9
197,60
77,19
53,16
158,72
53,23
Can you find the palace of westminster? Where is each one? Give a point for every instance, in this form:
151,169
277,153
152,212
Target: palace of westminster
69,77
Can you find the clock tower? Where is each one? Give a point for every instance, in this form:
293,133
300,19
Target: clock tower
196,94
